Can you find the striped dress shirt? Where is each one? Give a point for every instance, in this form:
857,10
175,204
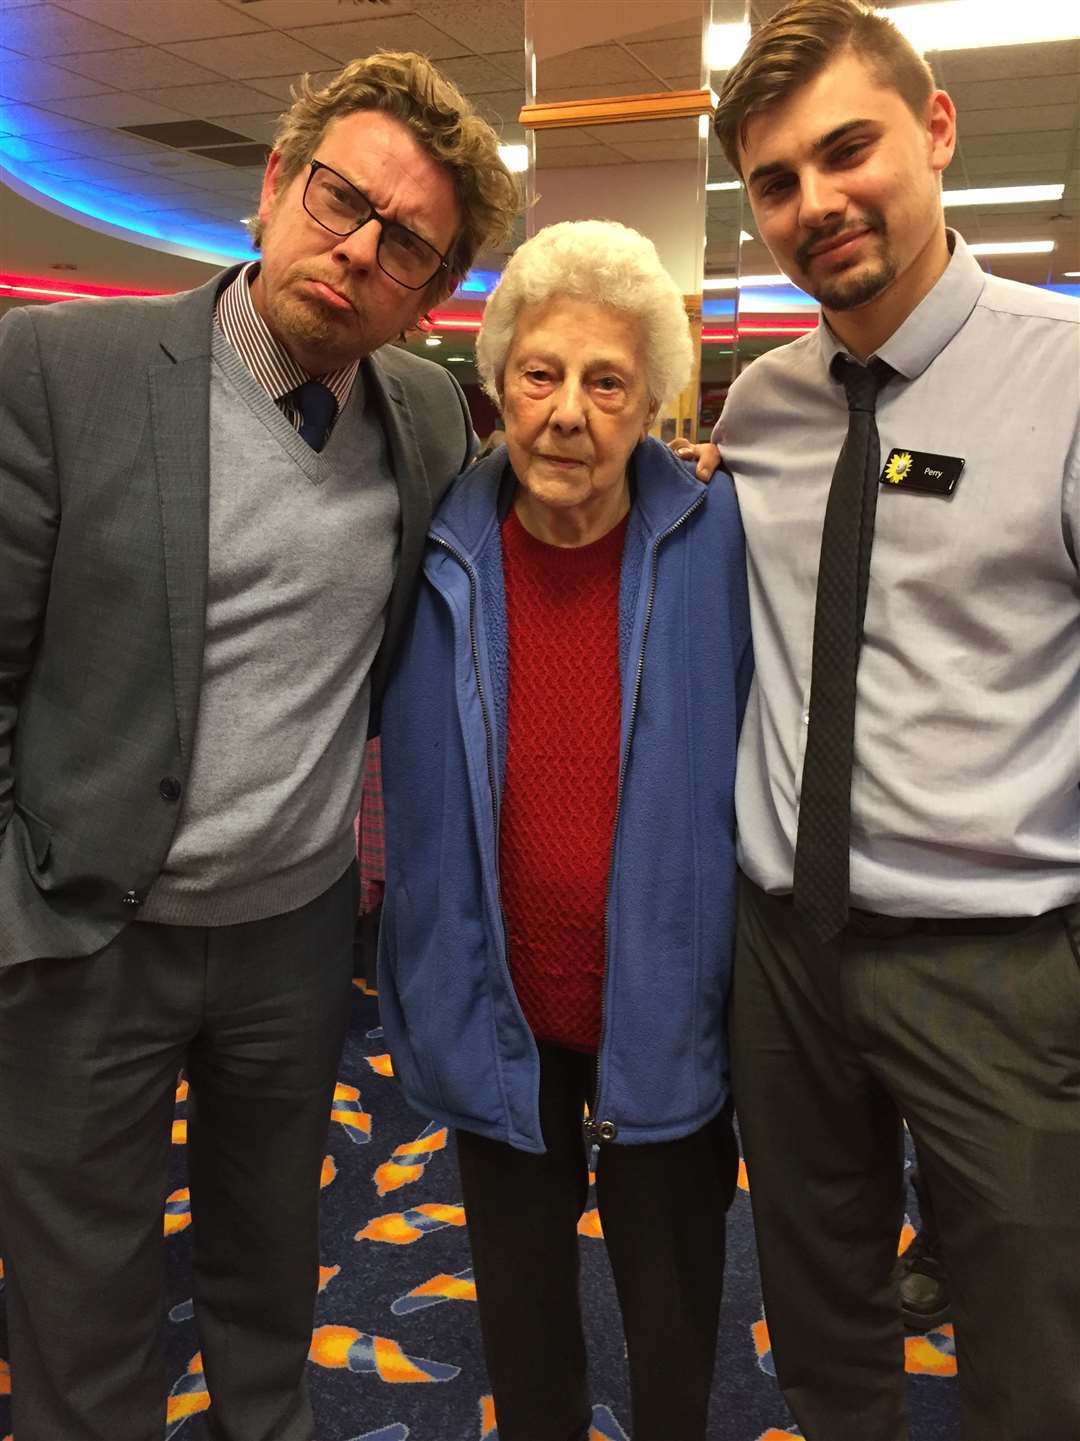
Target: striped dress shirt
267,359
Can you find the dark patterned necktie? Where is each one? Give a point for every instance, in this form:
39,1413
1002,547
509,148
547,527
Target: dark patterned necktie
317,408
823,846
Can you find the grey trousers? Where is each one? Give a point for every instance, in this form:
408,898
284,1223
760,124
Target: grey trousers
975,1039
89,1054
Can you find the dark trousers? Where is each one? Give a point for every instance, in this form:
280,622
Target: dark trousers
662,1209
89,1054
975,1039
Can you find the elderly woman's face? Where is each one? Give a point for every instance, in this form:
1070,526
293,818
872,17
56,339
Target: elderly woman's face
575,405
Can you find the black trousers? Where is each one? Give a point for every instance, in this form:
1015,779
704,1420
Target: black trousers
662,1209
89,1054
975,1039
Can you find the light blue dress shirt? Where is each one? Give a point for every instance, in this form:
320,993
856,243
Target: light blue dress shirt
966,788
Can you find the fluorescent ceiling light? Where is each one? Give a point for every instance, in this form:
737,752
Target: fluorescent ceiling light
514,157
1070,274
975,24
1012,247
740,282
725,44
724,185
458,359
1003,195
433,340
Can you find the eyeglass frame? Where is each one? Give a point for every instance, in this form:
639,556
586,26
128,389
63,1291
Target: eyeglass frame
314,166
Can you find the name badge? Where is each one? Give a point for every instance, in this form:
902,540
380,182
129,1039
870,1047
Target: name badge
919,470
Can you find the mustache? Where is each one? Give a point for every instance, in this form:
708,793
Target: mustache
824,236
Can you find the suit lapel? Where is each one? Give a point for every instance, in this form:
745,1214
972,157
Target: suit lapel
180,425
411,477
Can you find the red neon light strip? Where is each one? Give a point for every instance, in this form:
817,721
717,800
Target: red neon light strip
45,287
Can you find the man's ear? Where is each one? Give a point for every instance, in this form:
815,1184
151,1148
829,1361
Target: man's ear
270,184
941,129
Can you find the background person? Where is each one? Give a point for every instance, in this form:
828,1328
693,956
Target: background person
909,933
212,506
558,767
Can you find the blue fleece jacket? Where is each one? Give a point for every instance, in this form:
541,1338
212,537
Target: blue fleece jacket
460,1044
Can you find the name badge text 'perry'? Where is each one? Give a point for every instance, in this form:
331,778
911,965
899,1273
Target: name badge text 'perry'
919,470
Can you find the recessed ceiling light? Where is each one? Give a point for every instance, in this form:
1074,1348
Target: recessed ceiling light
1012,247
1003,195
726,43
514,157
973,24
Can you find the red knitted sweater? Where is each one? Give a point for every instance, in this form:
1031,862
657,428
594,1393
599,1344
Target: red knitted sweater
562,760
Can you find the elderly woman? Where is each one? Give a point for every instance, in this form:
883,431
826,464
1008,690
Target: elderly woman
558,764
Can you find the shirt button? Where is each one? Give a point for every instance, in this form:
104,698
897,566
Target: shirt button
131,899
169,789
806,717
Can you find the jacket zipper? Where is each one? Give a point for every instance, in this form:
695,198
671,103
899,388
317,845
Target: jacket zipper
597,1131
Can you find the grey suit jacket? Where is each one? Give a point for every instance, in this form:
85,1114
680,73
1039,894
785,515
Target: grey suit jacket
104,483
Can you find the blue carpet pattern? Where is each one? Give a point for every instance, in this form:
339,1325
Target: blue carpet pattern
395,1353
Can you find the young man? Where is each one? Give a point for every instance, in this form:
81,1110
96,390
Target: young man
910,928
212,508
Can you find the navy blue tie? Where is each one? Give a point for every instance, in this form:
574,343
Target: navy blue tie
317,408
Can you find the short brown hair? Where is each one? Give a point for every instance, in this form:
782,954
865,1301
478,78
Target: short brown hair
408,87
797,43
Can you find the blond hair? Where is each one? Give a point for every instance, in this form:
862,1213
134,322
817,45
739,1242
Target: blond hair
796,44
408,87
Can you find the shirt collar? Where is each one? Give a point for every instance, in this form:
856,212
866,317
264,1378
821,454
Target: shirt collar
932,324
267,359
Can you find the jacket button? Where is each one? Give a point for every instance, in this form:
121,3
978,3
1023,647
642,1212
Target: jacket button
129,898
607,1130
169,789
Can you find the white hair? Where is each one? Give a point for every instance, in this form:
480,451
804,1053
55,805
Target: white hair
598,261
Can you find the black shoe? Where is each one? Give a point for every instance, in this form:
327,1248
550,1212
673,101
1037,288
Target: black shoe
924,1291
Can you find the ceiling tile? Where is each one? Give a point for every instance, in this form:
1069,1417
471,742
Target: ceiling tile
588,92
485,26
28,120
241,56
513,62
671,57
32,80
1016,144
350,38
33,152
597,65
1040,163
474,75
290,14
1014,122
998,94
259,127
279,87
137,67
502,108
81,169
1008,62
114,110
111,145
162,21
243,157
211,101
47,30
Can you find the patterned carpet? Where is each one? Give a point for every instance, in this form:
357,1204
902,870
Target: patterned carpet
395,1354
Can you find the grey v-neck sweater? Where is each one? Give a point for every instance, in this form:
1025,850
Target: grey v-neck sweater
301,559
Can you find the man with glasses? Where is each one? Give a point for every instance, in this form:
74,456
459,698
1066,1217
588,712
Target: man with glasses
212,507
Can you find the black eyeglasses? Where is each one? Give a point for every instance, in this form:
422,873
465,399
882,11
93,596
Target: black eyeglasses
339,207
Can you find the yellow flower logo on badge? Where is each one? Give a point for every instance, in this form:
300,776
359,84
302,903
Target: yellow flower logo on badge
898,467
